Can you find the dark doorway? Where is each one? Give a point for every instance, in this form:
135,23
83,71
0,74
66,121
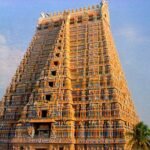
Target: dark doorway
51,84
56,63
53,73
41,149
57,54
48,97
61,148
42,130
44,113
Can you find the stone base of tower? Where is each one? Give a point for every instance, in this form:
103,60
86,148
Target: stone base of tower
62,147
37,147
99,147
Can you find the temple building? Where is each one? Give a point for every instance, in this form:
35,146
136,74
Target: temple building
69,91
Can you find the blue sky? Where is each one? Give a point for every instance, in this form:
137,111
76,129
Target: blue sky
130,23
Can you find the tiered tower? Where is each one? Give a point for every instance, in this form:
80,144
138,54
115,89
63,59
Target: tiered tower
69,92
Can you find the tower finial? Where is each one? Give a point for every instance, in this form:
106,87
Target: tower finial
104,1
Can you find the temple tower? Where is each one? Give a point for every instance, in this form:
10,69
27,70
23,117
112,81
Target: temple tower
69,91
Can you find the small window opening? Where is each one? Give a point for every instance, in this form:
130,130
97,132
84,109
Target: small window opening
51,84
48,97
21,148
45,27
79,19
39,28
59,47
53,73
57,54
56,63
90,18
44,113
61,148
72,21
56,24
110,97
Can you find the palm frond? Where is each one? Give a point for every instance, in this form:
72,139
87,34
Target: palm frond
139,137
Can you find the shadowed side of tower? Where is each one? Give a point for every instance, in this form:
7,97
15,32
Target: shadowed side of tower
69,92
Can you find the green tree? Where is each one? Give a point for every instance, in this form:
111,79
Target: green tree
139,137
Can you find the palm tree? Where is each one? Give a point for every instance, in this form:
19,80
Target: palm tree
139,137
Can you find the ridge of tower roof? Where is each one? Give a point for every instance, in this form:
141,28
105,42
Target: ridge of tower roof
82,9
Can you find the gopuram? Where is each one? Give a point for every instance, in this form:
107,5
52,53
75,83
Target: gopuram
69,91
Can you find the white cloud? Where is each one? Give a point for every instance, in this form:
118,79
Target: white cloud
132,34
9,60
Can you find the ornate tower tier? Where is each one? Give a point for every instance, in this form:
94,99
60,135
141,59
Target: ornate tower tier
69,92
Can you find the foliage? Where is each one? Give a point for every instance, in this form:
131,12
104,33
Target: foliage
139,137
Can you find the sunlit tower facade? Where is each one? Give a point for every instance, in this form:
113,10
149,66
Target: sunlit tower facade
69,91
